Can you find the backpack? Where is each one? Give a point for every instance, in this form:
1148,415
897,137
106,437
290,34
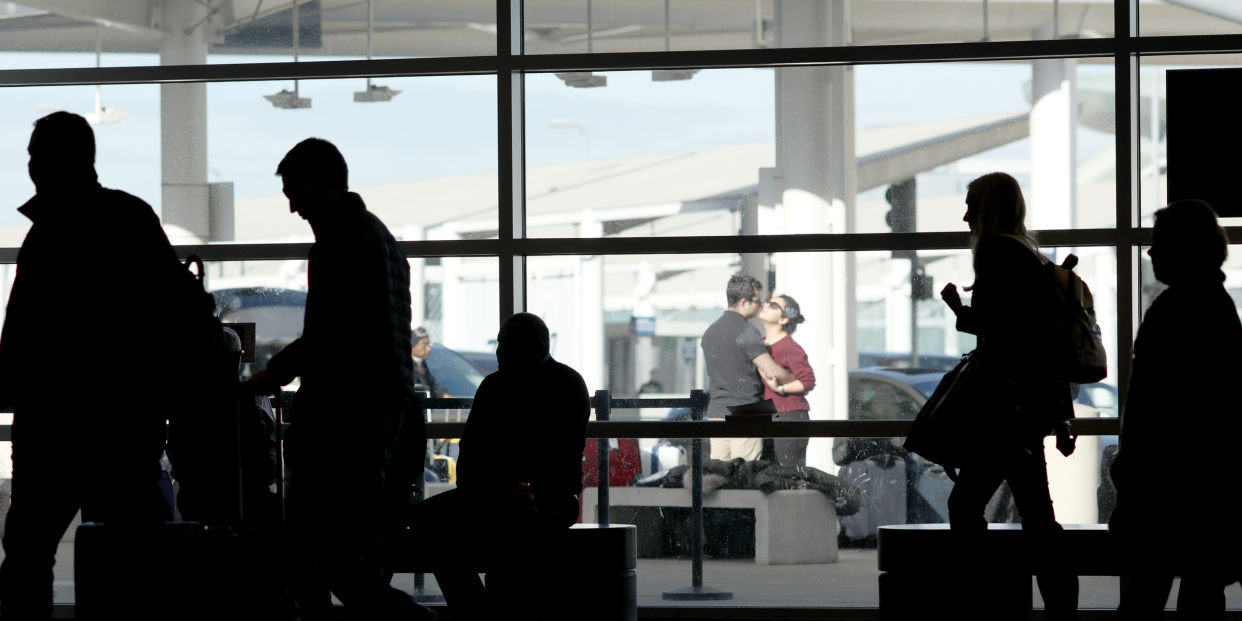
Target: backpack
1076,336
1078,345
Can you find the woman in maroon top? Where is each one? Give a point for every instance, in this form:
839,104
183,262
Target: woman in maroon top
781,317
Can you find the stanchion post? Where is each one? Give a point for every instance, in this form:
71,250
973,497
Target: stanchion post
422,594
696,591
603,411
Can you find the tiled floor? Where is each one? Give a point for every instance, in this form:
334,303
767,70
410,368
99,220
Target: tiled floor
850,582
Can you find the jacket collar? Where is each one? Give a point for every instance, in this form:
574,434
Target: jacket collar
344,206
40,204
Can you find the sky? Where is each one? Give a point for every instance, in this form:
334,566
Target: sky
443,126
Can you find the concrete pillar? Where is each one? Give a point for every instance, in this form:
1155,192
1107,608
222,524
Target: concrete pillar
1054,145
755,264
813,155
591,339
183,121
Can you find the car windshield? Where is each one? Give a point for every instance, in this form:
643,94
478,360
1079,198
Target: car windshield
454,373
927,388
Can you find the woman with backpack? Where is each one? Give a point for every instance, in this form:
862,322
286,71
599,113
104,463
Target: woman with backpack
1009,308
780,317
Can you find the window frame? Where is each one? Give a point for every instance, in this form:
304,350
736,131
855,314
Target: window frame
510,66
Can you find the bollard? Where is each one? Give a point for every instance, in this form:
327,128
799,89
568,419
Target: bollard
603,411
696,591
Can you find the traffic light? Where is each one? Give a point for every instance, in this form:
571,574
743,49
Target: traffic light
921,287
901,196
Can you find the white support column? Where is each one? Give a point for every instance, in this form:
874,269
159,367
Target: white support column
183,120
418,287
813,160
591,339
645,358
1054,145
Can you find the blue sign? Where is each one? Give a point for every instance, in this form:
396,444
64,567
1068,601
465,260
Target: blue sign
689,350
642,326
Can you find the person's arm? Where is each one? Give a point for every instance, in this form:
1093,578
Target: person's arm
967,320
282,369
792,388
800,367
769,368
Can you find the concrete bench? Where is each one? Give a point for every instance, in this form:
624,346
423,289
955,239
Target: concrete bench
792,527
917,569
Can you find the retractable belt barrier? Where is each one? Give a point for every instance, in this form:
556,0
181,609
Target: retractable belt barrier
603,428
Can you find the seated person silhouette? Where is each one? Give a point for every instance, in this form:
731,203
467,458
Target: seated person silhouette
518,475
195,449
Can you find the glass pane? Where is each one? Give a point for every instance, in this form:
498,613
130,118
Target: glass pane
720,155
637,322
185,32
1194,17
421,164
577,26
455,299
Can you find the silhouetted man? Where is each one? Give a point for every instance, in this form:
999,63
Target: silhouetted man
357,387
518,475
422,372
1190,337
78,409
734,352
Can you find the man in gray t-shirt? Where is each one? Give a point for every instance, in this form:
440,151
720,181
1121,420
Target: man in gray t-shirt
735,354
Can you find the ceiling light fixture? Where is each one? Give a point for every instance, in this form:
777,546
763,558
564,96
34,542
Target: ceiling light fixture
583,79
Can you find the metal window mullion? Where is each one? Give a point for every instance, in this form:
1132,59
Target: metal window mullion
1126,84
511,130
761,57
831,242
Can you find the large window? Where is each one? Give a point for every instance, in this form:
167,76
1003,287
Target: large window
608,164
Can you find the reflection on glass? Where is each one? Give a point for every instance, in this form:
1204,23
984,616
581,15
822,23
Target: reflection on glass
643,158
1197,17
423,165
578,26
461,327
175,32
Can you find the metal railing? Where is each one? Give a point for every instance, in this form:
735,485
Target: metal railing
602,429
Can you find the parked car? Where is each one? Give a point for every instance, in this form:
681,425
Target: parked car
455,372
898,360
483,361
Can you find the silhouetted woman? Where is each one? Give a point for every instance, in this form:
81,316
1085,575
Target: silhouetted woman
780,317
1008,312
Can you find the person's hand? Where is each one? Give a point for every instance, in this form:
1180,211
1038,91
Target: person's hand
1065,441
770,380
522,500
950,296
262,383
